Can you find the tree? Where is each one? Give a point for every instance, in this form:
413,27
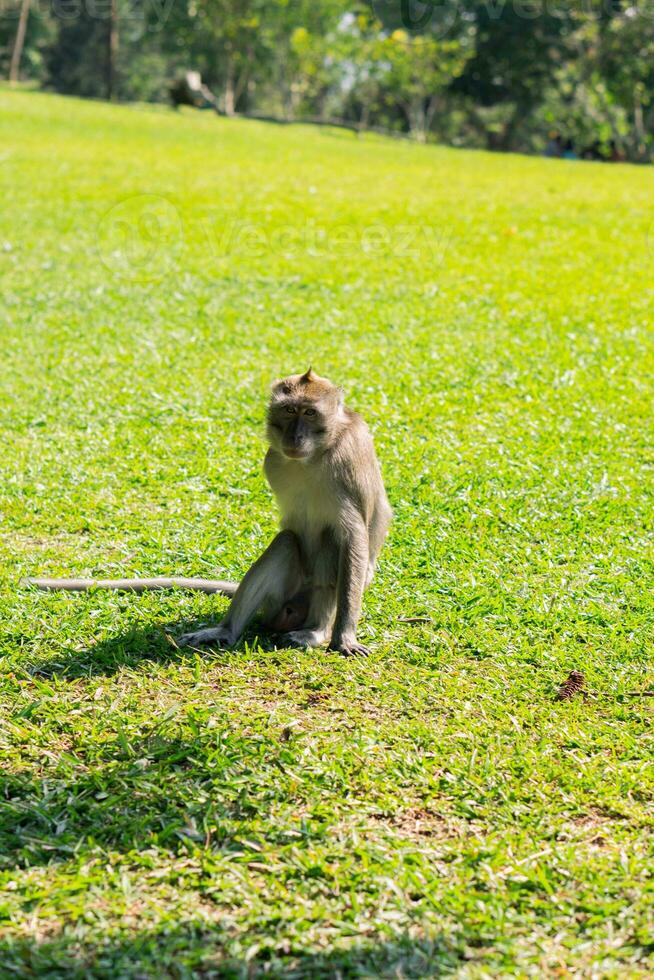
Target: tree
518,47
112,49
364,65
626,60
25,30
19,42
420,69
229,42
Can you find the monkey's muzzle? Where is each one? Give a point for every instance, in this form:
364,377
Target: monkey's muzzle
295,453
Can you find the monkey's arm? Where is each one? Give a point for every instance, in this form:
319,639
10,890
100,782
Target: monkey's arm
352,570
131,584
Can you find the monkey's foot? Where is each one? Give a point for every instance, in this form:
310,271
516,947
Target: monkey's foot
349,648
305,639
217,634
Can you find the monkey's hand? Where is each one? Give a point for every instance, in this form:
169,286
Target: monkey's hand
348,646
216,635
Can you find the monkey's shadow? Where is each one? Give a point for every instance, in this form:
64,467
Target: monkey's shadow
153,644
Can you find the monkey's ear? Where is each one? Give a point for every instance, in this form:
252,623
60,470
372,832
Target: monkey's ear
340,396
308,376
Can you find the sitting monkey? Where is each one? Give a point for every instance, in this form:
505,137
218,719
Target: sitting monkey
309,582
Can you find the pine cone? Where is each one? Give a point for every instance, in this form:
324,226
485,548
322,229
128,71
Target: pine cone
572,686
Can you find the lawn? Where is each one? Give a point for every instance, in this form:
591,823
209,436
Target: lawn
431,810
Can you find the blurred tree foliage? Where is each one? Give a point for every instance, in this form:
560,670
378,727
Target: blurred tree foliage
501,74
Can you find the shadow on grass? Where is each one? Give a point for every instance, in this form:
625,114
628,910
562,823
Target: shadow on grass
146,790
136,646
212,794
199,949
141,785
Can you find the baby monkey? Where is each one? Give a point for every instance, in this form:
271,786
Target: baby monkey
309,582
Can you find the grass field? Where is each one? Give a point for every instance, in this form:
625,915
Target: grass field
431,810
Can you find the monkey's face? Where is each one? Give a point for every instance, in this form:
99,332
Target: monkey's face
301,415
296,428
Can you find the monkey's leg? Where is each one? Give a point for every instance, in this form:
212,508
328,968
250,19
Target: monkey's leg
322,607
352,573
275,576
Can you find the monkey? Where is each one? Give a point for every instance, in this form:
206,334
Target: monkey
322,468
334,517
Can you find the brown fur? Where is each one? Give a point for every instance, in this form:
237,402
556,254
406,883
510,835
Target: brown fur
322,468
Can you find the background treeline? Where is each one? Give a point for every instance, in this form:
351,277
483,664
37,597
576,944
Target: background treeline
501,74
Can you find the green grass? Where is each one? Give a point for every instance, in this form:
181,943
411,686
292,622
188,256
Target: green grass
431,810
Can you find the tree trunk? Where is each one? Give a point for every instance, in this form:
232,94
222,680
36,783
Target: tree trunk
230,95
639,126
430,112
416,119
241,83
505,140
16,54
112,50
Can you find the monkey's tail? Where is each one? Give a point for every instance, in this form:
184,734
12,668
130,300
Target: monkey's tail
207,585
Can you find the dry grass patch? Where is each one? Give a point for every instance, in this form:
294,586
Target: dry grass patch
419,824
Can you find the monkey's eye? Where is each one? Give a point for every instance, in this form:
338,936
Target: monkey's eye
290,409
309,411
